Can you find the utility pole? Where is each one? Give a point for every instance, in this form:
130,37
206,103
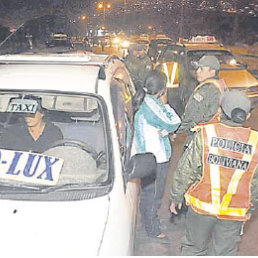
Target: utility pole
125,6
235,24
181,24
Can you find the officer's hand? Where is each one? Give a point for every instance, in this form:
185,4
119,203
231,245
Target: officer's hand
173,207
196,128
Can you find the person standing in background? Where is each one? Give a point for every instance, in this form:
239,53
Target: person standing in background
138,64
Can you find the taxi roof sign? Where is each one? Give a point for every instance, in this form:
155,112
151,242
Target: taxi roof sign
60,35
203,39
22,106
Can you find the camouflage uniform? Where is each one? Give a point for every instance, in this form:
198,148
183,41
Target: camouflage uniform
202,105
138,69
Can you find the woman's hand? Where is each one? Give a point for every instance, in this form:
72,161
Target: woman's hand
163,98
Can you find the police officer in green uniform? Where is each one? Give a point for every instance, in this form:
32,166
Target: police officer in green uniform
218,176
138,64
203,104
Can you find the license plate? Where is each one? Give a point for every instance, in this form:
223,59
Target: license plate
30,167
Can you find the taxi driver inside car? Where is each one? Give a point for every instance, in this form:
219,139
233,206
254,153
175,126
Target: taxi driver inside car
22,165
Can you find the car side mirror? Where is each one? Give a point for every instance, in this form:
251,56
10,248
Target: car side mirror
141,165
102,73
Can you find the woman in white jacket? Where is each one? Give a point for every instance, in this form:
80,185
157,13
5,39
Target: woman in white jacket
154,120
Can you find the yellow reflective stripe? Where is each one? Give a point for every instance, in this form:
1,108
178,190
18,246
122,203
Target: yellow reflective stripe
232,188
165,70
253,140
215,174
173,75
213,207
237,212
170,80
209,208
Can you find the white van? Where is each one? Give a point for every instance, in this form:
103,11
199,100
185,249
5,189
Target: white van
78,196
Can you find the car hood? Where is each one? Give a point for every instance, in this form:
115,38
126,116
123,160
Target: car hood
238,78
52,229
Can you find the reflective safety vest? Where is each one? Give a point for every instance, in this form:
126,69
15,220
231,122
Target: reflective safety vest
171,71
229,158
222,87
219,84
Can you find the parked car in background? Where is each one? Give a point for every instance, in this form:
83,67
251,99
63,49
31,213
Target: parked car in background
175,61
79,197
81,43
59,40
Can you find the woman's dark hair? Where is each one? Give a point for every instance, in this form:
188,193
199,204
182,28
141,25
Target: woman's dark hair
155,82
138,99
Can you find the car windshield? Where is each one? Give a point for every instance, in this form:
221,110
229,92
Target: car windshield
226,59
51,141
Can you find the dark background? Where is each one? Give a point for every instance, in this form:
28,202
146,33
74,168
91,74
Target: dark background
230,21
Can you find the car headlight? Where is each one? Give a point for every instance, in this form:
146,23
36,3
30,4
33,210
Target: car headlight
233,62
125,44
116,40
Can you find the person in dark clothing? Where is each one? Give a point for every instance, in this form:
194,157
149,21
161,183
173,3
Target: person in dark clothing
203,104
138,64
34,134
153,50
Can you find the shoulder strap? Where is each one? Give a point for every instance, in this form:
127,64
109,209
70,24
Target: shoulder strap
220,84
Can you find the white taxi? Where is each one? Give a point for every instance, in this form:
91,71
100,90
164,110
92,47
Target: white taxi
71,191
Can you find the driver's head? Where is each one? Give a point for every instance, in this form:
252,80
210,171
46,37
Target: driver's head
35,119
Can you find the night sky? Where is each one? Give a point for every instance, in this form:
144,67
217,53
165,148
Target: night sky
195,16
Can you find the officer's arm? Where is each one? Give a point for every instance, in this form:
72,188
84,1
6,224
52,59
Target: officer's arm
188,171
203,104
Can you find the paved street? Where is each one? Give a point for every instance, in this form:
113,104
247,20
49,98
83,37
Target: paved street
148,247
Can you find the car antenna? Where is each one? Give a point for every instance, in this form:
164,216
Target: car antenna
10,35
